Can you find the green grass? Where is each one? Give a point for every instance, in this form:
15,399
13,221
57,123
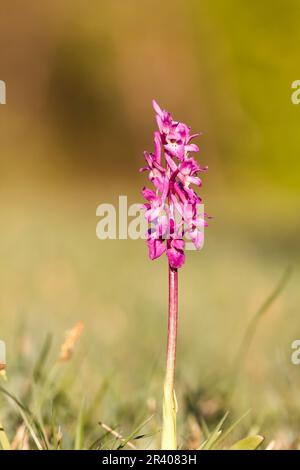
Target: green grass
54,272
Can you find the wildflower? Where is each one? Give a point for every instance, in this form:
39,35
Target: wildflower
171,207
171,211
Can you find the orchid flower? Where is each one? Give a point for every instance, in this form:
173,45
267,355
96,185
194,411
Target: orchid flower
171,210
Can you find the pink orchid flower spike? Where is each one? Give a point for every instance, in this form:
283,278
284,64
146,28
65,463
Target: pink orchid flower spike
171,209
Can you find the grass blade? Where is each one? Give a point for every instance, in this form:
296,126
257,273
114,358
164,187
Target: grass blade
232,427
80,428
4,439
39,366
249,443
24,411
215,434
252,327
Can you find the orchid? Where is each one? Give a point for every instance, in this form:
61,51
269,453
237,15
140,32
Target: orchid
171,210
172,207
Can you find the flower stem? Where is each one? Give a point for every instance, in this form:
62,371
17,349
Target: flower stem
169,441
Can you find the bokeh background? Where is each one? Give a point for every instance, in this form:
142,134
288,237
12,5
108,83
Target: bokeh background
80,78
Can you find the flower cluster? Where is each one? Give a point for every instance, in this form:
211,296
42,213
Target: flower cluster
172,207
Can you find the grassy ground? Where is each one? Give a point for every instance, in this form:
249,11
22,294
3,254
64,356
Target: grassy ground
54,272
79,86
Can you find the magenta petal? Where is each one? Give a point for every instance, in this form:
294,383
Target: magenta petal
179,207
180,193
184,131
148,158
149,194
157,142
176,258
165,189
176,150
197,238
157,109
156,248
178,244
170,162
159,123
171,208
176,253
192,148
195,180
192,137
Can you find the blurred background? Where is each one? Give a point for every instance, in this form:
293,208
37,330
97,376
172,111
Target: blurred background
80,78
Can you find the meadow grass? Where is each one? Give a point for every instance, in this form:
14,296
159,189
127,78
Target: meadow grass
54,273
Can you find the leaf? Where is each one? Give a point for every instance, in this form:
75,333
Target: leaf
80,428
134,433
96,444
215,434
204,427
24,411
30,429
249,443
39,366
145,436
4,439
168,435
232,427
210,445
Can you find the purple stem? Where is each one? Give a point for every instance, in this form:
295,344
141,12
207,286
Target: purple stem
172,327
